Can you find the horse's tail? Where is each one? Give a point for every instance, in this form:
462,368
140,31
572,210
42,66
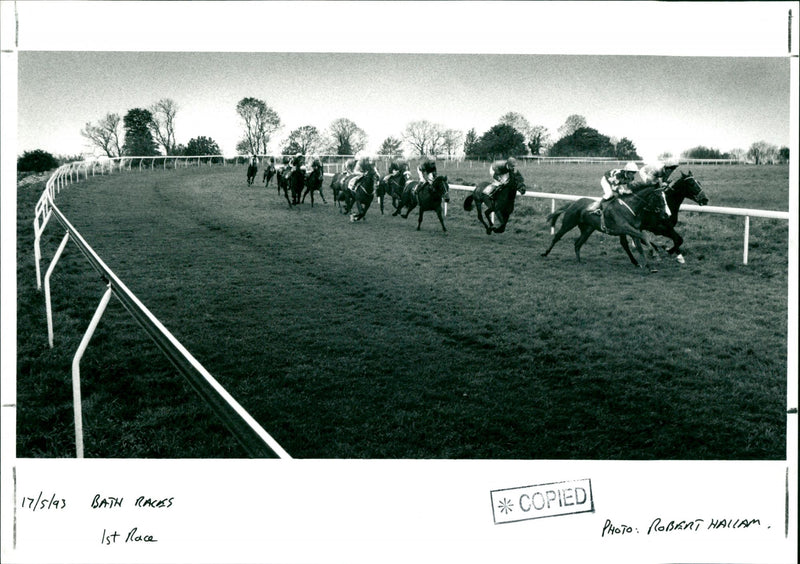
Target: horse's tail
468,202
553,217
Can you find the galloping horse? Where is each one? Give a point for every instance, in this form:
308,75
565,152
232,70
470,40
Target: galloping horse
623,217
685,187
282,179
360,193
313,182
501,203
269,172
252,169
394,188
296,178
428,197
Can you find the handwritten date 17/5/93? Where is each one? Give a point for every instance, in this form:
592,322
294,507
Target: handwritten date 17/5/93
42,502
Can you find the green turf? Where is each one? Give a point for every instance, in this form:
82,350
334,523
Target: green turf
373,340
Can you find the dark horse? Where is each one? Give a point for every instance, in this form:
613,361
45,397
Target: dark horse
684,187
269,172
313,182
361,193
428,197
393,187
296,180
252,169
282,179
623,216
501,203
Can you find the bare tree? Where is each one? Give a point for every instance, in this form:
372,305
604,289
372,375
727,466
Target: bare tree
105,134
762,152
163,124
260,122
346,138
538,140
571,125
518,122
424,137
451,140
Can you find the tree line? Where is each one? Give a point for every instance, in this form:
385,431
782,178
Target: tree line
151,131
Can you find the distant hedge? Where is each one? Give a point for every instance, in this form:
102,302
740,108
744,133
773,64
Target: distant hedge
36,161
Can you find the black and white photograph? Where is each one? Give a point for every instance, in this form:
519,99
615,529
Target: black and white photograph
392,281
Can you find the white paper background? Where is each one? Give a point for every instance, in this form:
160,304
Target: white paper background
388,511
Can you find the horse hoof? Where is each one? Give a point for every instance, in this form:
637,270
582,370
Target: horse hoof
680,259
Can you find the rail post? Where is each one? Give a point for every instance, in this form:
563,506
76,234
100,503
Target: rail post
48,305
76,371
746,238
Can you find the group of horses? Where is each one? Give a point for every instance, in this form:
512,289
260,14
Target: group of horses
648,210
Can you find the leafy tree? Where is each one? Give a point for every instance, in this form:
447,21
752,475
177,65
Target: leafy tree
163,124
471,143
138,137
584,142
501,140
391,146
571,125
783,154
666,155
105,135
305,140
626,150
537,139
424,137
201,146
346,138
260,122
36,161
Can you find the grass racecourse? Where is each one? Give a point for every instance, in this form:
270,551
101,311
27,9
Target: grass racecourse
374,340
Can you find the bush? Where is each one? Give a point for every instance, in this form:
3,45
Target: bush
36,161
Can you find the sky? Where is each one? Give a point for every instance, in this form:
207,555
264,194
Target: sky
465,77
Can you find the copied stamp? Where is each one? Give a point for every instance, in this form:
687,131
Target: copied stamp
544,500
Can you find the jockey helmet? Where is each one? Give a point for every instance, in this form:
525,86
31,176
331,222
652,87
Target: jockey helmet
671,163
511,162
631,167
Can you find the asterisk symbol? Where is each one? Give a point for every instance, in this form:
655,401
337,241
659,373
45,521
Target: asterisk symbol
505,506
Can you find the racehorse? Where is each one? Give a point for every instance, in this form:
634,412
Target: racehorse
685,187
428,197
501,203
269,172
252,169
622,217
393,186
296,179
282,180
361,193
313,182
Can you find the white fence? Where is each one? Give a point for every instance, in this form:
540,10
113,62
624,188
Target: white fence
256,441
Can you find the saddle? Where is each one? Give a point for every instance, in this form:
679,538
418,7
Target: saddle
353,182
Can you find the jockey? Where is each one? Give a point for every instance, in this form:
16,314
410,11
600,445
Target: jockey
297,161
655,174
363,165
501,173
349,166
398,167
426,171
614,182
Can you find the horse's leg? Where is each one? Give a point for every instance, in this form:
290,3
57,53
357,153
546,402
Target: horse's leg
567,224
641,241
286,195
586,232
410,207
499,224
623,240
440,216
479,210
677,241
